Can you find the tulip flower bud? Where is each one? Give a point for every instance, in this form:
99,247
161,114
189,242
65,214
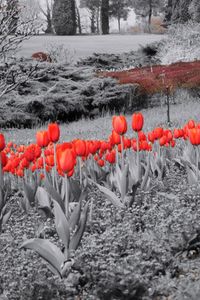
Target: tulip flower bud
53,132
137,121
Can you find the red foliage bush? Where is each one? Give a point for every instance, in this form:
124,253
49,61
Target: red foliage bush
161,78
41,56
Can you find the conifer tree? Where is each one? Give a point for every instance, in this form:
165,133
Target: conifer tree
64,17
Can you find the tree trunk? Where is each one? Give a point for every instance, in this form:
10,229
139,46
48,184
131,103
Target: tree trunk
149,16
119,23
92,19
105,16
97,20
78,20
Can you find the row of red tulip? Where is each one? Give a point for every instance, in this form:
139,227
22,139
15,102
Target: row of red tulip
15,159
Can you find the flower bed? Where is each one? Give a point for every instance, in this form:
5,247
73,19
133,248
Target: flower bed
124,247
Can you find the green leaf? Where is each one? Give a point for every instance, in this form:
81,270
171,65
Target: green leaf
146,179
110,195
54,194
76,238
192,178
62,225
48,251
25,204
2,201
75,188
75,216
6,217
29,193
169,196
43,198
124,181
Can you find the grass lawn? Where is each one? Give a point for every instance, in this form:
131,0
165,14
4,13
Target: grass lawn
84,46
100,128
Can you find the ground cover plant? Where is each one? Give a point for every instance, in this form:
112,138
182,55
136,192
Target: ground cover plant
137,243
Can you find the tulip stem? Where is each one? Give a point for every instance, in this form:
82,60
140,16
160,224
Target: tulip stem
197,163
138,157
44,163
117,158
55,167
1,173
80,170
66,196
122,151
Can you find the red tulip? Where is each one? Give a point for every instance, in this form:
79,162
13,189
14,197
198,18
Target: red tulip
151,137
53,132
137,121
191,124
92,147
66,160
2,142
80,147
119,124
194,136
111,156
163,140
50,160
158,132
3,159
70,173
142,136
101,162
42,138
114,138
172,143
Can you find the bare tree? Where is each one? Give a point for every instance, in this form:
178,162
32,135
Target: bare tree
47,12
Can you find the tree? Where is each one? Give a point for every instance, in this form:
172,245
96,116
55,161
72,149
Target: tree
12,5
29,21
147,8
177,11
47,12
93,7
105,16
119,9
194,10
12,75
64,17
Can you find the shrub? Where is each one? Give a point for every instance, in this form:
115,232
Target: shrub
182,44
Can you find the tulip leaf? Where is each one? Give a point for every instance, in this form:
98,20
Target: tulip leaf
54,194
76,238
62,225
146,179
42,197
29,193
25,204
2,202
48,251
75,188
192,178
75,216
6,217
124,182
110,195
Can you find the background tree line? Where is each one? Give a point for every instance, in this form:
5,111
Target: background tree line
63,16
